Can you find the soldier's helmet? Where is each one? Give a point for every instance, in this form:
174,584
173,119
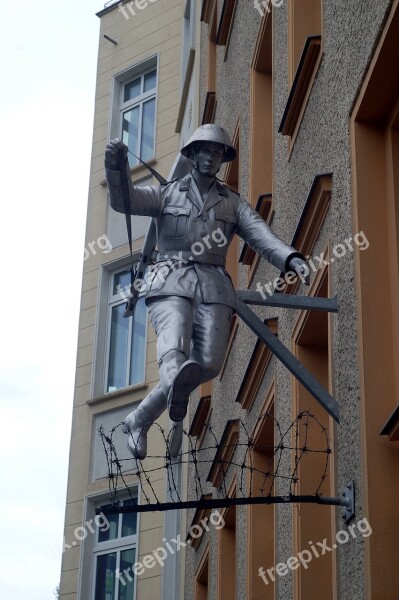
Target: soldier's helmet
210,133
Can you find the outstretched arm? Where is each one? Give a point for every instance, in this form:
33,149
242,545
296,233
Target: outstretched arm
261,238
144,201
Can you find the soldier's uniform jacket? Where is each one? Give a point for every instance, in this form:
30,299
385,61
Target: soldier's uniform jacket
185,225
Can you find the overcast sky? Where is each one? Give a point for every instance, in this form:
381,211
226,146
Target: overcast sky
48,65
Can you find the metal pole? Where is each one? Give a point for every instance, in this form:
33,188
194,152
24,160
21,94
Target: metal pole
288,360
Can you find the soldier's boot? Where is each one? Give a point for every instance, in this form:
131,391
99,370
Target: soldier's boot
139,421
186,381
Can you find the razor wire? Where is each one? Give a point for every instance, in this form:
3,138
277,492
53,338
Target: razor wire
290,447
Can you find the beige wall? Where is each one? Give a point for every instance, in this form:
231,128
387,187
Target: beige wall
153,30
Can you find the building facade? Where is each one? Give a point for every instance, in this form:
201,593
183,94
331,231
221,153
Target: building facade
309,91
144,89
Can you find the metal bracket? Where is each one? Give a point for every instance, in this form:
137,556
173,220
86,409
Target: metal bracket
288,359
348,502
288,301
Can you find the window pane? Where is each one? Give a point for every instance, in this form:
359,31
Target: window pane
127,561
132,89
122,279
118,349
130,132
147,134
150,80
137,354
129,520
112,532
105,577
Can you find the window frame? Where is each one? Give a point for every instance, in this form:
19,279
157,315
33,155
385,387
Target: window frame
118,85
118,545
91,502
139,101
114,300
100,367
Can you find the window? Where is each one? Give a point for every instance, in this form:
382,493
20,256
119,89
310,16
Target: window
226,22
202,577
116,222
133,109
312,345
305,51
261,163
305,20
227,555
138,115
115,555
126,338
261,517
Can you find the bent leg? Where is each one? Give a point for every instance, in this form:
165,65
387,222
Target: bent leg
138,422
171,317
211,329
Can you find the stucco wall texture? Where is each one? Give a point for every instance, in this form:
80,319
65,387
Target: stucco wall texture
350,32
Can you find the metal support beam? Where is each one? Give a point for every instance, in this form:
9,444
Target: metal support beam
288,360
344,500
289,301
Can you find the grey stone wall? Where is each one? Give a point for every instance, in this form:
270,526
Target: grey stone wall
350,33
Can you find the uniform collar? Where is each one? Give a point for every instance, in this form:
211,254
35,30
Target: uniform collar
216,191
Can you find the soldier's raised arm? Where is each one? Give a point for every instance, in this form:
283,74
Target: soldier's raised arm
144,201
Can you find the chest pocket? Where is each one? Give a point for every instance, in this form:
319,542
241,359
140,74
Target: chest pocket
225,222
174,222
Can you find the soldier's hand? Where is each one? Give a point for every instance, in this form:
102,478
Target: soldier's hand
300,267
112,153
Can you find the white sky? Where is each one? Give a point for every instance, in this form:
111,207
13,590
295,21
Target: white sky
48,55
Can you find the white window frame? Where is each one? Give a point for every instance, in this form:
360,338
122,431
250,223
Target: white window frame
112,301
90,547
117,104
118,545
102,340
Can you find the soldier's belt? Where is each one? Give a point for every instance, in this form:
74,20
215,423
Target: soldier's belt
187,256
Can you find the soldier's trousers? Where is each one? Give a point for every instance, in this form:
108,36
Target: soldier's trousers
186,329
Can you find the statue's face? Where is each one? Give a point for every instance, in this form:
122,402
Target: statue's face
209,158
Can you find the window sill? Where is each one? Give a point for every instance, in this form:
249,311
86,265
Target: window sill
301,86
209,108
257,366
117,393
224,454
311,221
391,428
233,330
201,420
226,24
249,257
185,90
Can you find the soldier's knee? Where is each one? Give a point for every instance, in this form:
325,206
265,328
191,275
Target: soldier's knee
172,356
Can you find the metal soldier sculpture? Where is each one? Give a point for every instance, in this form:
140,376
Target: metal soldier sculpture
190,296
